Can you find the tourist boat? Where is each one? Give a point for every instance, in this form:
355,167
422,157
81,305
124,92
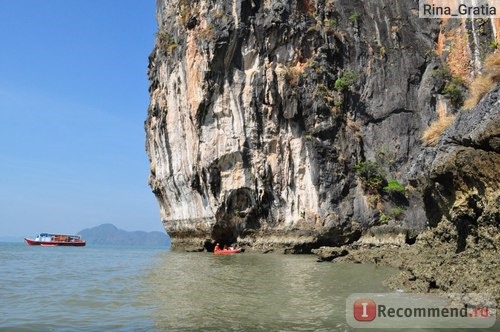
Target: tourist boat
227,251
52,240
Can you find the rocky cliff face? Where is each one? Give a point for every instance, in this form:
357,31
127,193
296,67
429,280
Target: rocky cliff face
460,177
277,124
461,194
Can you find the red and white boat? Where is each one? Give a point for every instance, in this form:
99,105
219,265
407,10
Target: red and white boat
227,251
52,240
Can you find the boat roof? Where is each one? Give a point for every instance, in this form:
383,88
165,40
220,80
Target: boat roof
56,234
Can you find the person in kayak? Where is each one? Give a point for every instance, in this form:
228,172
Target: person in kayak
217,248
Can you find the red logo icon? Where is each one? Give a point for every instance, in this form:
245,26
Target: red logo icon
365,310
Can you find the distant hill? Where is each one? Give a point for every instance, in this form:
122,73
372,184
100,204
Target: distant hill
109,234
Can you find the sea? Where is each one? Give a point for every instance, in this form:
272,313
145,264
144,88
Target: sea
103,288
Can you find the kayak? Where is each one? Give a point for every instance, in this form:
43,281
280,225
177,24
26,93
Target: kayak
227,251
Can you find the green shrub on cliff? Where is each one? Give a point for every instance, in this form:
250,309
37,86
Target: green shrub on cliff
383,218
454,87
453,91
322,91
393,186
327,96
396,213
354,18
371,176
346,81
331,23
442,74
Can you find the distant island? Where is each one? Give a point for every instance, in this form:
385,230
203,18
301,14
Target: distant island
109,234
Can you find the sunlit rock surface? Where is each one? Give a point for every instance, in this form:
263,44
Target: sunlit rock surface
261,110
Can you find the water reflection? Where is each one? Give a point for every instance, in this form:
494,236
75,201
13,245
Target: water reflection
250,292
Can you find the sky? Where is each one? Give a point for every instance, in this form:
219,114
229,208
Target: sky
73,100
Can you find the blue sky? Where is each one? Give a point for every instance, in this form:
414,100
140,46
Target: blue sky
73,100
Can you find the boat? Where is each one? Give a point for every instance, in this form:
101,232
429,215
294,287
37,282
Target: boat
52,240
227,251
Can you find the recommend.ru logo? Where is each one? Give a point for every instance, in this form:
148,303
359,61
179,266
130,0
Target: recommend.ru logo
364,310
402,310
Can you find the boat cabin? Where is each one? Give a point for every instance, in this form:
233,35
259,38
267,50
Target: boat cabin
46,237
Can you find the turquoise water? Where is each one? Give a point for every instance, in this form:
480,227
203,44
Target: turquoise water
152,289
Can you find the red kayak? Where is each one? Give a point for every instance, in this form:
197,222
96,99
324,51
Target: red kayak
227,251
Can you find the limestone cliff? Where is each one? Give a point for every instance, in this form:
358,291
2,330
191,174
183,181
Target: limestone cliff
458,253
263,116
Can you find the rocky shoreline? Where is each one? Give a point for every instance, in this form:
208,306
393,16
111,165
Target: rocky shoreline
431,264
